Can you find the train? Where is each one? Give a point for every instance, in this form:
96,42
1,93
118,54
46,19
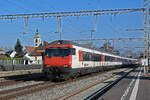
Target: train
65,59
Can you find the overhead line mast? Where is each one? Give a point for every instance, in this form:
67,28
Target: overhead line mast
145,35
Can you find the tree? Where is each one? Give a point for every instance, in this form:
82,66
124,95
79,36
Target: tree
109,48
18,49
7,48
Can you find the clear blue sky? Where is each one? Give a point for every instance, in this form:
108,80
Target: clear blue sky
108,26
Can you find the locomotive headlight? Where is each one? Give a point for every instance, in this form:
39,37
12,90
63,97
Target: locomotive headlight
46,65
66,66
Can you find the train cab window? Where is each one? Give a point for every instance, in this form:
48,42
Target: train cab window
72,51
59,51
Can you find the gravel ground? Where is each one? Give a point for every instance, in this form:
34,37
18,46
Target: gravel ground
19,85
2,79
55,92
26,78
23,83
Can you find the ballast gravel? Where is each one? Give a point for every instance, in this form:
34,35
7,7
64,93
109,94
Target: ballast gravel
58,91
18,85
61,90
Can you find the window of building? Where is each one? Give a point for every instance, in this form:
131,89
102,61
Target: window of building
36,40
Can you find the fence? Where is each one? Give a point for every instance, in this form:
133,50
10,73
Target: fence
11,64
19,61
16,61
36,62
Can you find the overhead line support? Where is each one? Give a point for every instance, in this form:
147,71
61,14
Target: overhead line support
73,13
111,39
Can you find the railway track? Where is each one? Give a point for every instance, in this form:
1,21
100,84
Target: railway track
30,89
15,81
12,93
10,82
96,94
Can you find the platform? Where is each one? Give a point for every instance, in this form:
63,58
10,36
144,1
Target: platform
19,72
135,86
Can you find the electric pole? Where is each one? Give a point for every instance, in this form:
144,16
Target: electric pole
145,35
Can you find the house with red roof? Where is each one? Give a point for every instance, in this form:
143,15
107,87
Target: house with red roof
34,53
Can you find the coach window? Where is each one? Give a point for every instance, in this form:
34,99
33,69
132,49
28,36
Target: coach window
120,60
113,59
109,58
87,56
84,56
97,57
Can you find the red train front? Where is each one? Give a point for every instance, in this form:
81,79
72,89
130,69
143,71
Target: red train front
58,60
58,56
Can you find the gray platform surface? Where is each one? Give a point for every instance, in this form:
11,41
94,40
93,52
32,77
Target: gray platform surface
18,67
135,86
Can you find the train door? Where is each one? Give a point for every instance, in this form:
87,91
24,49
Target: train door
93,58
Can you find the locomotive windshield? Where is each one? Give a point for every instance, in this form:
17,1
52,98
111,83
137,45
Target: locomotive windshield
59,51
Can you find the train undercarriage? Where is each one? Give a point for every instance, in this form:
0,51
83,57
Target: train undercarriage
64,73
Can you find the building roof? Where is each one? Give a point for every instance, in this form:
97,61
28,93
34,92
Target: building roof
42,45
1,49
3,56
40,49
37,35
29,49
11,53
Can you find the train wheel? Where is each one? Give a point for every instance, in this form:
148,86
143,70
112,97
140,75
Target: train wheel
66,76
50,76
75,75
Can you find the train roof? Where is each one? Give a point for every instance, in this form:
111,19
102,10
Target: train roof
63,42
66,42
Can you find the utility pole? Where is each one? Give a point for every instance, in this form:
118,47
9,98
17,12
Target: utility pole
91,38
59,26
92,31
149,42
145,35
148,52
26,24
123,44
